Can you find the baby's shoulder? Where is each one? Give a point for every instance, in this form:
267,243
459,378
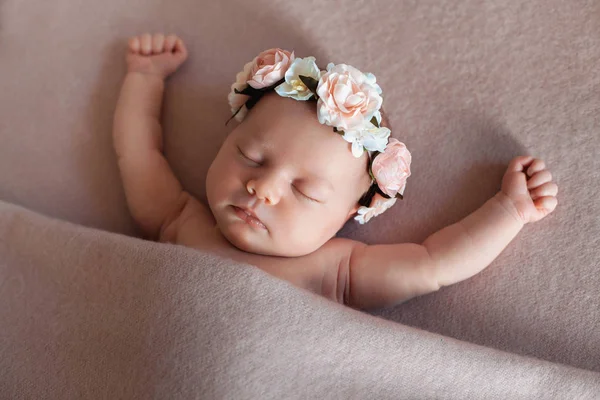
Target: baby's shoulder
189,219
333,257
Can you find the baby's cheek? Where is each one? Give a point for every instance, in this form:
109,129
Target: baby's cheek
224,179
288,230
218,189
313,231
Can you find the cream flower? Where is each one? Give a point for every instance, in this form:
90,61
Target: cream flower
371,80
391,168
238,100
270,67
368,137
379,205
293,87
348,98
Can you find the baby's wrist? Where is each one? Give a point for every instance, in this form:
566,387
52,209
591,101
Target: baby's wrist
509,207
149,74
151,78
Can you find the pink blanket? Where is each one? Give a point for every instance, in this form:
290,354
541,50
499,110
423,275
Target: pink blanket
88,314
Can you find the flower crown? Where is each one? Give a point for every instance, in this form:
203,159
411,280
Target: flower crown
347,100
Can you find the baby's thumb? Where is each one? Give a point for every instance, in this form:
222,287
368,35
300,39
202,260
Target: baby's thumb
515,182
179,50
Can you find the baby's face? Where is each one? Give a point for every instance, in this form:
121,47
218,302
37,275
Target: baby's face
283,184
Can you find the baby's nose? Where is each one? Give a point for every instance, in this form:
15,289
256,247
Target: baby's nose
267,189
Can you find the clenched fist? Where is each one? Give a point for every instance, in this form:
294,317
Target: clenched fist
528,186
155,54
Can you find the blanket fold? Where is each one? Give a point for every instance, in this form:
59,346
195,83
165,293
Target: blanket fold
92,314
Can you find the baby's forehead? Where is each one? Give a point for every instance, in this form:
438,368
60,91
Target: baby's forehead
290,130
314,156
314,142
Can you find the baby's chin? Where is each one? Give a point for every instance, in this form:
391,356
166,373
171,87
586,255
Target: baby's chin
245,238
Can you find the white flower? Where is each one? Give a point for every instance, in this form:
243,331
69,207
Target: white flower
381,204
293,87
368,137
371,80
238,100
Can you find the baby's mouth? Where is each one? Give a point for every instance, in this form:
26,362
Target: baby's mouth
249,217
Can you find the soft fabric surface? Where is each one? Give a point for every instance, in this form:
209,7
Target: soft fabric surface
112,317
468,85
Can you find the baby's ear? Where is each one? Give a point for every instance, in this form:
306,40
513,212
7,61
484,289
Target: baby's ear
352,212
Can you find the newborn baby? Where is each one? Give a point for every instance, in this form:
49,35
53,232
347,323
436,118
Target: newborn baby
309,154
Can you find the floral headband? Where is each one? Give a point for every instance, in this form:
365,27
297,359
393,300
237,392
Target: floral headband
347,100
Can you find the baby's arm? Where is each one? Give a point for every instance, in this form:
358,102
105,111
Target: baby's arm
152,190
384,275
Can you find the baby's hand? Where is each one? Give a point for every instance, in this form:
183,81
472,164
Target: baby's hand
529,187
155,54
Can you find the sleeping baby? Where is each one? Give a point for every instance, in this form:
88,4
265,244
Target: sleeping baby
310,152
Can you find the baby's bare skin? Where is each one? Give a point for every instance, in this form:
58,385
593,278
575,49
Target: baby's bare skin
292,248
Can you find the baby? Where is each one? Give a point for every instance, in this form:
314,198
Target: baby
309,155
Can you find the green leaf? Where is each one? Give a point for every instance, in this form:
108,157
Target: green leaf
374,121
279,82
311,83
381,191
252,92
248,91
371,173
233,116
253,100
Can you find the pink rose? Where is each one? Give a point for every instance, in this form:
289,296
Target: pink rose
391,168
269,67
348,98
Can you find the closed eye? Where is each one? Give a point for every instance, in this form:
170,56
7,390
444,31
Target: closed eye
246,157
304,195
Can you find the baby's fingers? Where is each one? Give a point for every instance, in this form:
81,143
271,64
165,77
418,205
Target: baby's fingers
134,44
545,204
518,164
539,178
146,44
170,42
547,189
536,166
180,49
158,41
